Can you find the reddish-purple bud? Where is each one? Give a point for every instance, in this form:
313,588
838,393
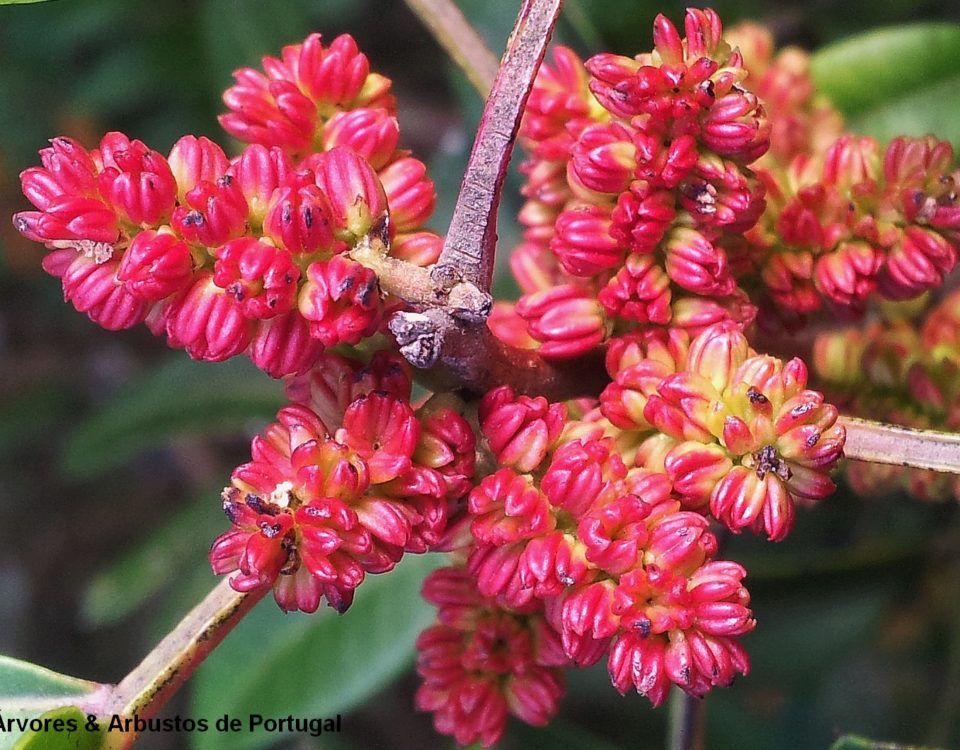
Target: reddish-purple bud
353,189
260,277
565,319
372,133
341,300
156,265
194,160
299,216
519,429
213,212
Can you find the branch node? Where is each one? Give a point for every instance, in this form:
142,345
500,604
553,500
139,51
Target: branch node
420,335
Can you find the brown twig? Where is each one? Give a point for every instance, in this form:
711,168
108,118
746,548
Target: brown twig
460,40
145,690
881,443
469,247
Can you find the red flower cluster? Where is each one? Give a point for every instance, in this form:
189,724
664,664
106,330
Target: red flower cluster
637,179
902,371
574,522
250,255
844,218
343,483
482,662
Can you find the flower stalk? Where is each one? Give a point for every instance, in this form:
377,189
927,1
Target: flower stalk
881,443
146,689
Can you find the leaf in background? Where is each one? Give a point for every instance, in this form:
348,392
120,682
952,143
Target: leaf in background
81,739
22,2
28,690
853,742
181,398
172,553
277,664
29,415
897,81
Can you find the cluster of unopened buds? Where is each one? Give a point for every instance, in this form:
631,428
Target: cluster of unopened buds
670,196
245,255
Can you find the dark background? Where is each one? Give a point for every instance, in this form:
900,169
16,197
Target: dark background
859,611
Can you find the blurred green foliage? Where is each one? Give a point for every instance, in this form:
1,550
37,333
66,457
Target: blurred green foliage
104,436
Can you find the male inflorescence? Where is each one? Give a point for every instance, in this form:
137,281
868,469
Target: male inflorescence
680,204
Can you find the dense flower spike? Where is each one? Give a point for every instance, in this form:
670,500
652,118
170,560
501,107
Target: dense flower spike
250,255
481,662
673,198
637,182
336,488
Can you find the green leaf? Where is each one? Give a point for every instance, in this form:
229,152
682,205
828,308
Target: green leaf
928,110
853,742
22,2
276,665
182,398
896,81
171,553
66,738
27,691
874,68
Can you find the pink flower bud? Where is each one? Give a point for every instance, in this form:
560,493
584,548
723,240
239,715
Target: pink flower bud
640,291
332,75
519,429
194,160
137,181
507,508
372,133
420,248
354,191
642,216
68,169
341,301
384,432
918,262
258,171
70,219
578,474
93,289
410,193
565,319
604,158
299,216
283,346
156,265
637,662
612,77
207,322
269,112
848,275
697,264
583,242
695,469
717,352
851,161
213,213
260,277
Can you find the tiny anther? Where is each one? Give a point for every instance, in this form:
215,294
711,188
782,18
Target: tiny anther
756,397
768,460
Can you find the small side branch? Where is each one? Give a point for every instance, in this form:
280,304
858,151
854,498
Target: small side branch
460,40
145,690
686,722
470,243
881,443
